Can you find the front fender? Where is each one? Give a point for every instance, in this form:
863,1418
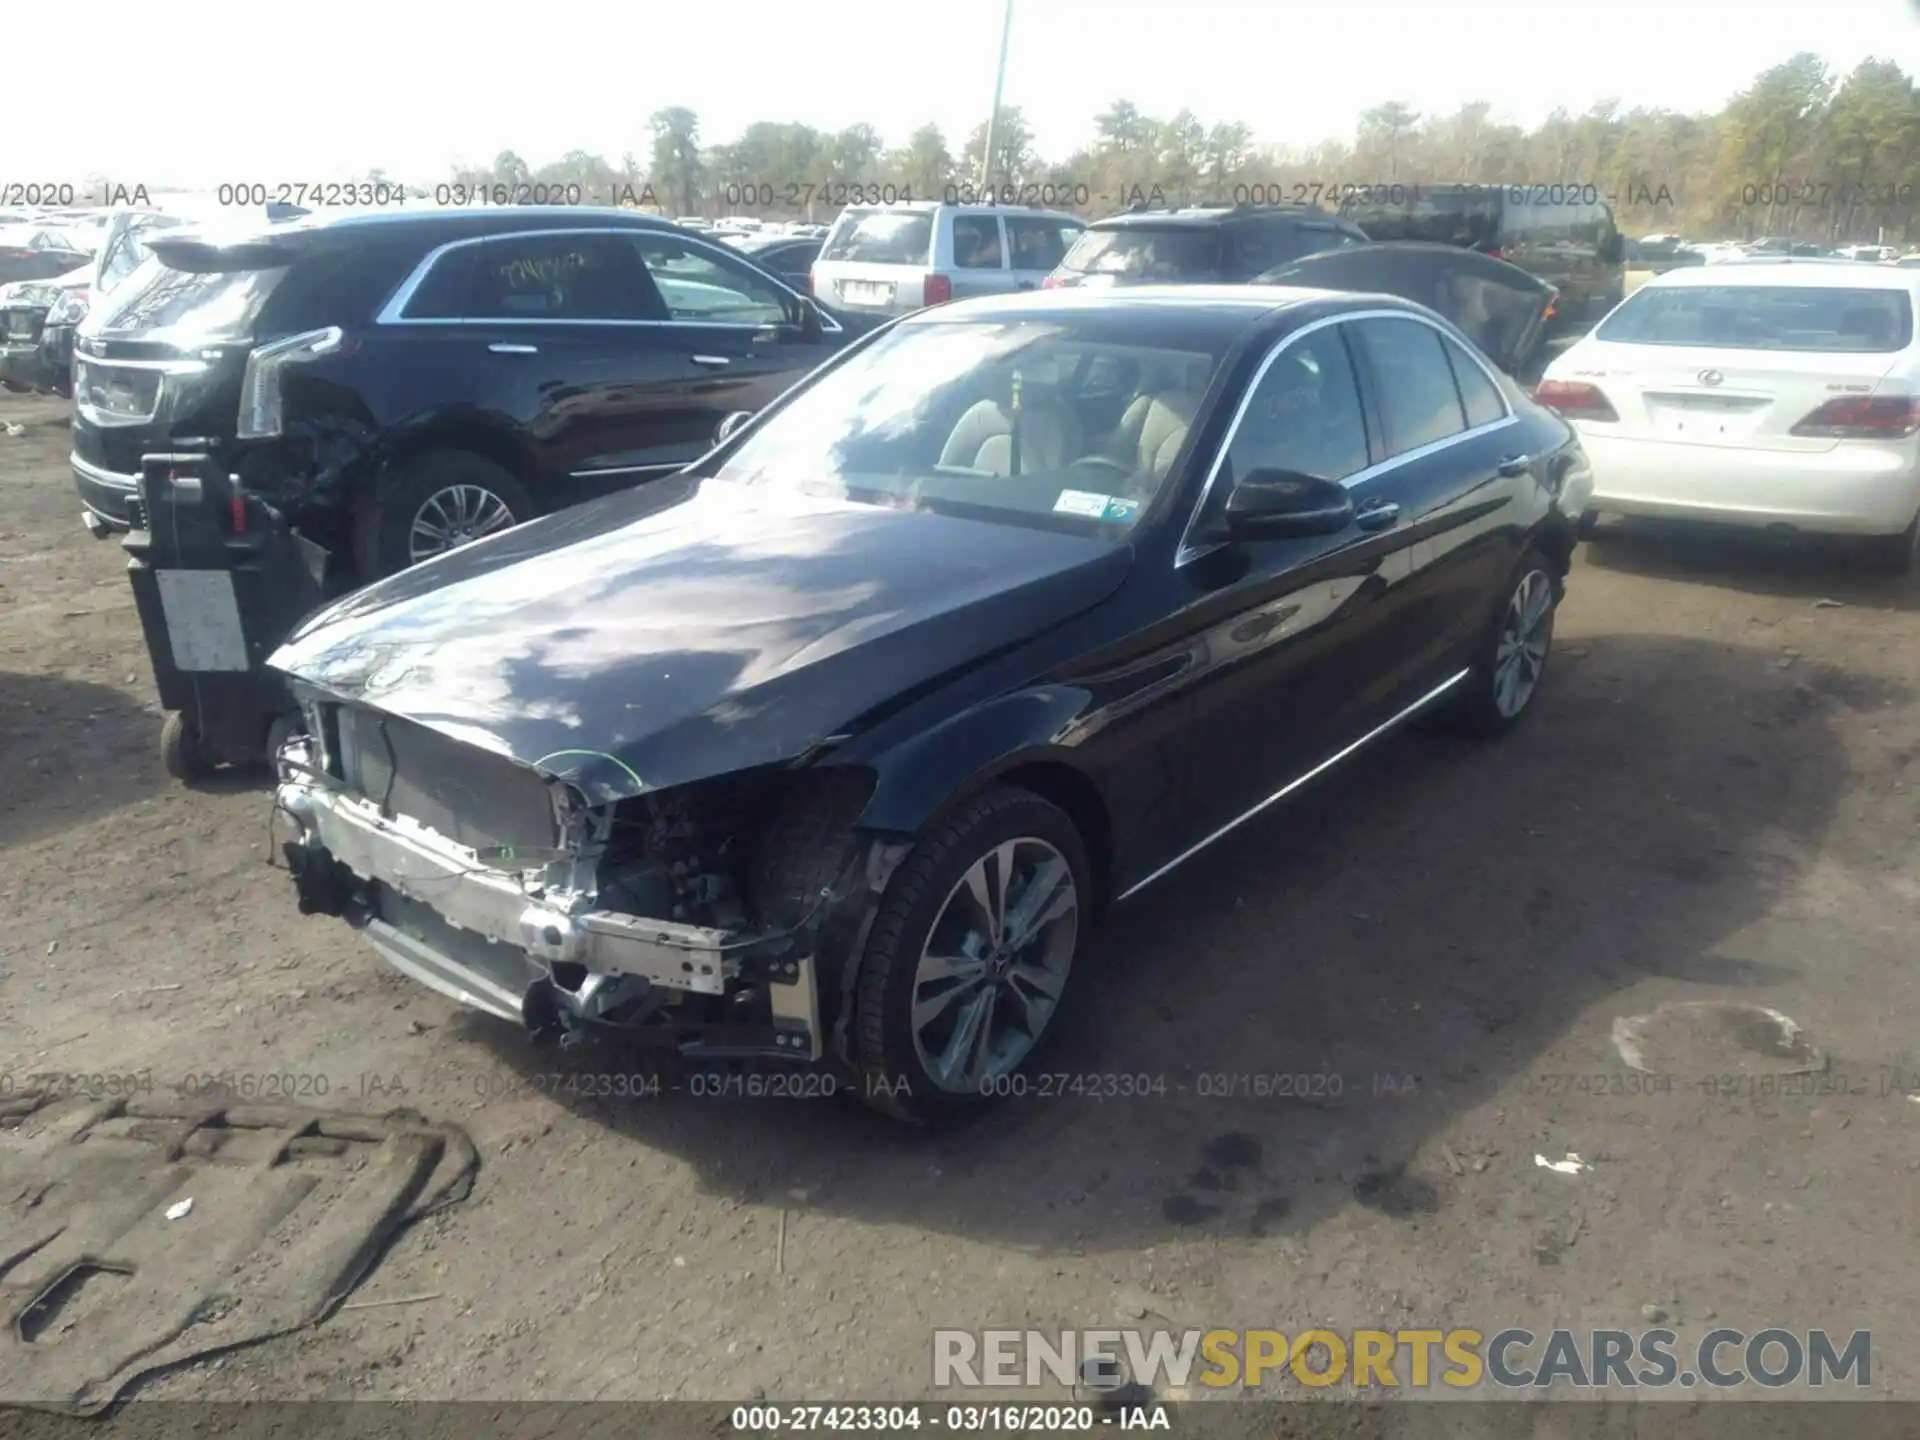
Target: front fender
925,775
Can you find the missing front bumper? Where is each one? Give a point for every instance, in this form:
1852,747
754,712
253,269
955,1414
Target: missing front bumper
506,944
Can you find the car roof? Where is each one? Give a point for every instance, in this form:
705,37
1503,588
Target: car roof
1232,307
1810,271
438,226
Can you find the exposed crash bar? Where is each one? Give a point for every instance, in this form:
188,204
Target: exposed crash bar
498,906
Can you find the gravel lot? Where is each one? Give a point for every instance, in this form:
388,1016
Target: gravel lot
1715,803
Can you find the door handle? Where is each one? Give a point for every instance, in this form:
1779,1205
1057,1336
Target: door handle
1515,464
1024,285
1378,516
507,347
713,360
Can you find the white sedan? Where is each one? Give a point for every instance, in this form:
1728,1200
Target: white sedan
1773,394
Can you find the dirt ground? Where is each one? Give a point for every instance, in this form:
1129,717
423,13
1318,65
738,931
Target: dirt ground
1715,803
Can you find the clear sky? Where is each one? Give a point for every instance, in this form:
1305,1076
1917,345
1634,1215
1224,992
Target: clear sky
242,90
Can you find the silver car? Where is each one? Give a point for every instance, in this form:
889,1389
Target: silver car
893,259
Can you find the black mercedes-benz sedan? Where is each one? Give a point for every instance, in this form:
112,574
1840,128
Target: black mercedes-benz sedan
835,747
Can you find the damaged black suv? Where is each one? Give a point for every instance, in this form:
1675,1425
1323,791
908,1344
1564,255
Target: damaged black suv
397,384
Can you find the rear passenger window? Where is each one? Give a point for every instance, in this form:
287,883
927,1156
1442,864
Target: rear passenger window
562,276
1419,403
1305,415
976,242
1040,244
442,292
1482,398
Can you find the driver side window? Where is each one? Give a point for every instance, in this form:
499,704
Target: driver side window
1305,415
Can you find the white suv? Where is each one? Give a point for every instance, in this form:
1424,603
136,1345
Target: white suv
893,259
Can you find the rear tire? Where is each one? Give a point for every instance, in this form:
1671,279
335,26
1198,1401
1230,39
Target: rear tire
1896,554
1511,663
454,492
181,749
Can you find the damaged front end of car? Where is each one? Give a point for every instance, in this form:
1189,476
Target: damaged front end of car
501,886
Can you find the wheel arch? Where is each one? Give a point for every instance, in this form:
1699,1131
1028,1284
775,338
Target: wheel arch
472,431
1010,741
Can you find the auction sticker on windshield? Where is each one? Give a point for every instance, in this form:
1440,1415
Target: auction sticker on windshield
1095,506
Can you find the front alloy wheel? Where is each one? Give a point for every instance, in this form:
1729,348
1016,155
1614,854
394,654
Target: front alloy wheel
993,969
456,516
970,957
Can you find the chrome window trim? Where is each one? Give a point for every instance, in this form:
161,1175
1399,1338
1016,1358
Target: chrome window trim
1188,551
394,311
1294,784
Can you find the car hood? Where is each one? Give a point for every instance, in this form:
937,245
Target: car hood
689,628
1498,306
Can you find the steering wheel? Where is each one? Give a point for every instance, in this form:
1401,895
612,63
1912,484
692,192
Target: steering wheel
1117,468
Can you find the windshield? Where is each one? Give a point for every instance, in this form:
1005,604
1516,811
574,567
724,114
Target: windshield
883,237
1065,424
1765,317
1140,252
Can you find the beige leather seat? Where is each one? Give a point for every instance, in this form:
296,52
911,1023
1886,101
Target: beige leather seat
1153,429
983,440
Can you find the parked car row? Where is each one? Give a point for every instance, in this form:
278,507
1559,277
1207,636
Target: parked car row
1666,252
39,317
40,263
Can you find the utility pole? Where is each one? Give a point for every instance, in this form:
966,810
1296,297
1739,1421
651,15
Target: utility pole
993,116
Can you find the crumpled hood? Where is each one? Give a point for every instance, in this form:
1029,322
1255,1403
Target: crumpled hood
690,628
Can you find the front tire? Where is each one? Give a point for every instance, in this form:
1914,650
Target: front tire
1512,660
436,502
970,958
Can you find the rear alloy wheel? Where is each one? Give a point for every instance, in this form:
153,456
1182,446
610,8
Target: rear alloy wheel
455,516
971,956
437,503
1507,672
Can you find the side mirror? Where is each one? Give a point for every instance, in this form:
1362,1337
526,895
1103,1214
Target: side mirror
1283,504
731,425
